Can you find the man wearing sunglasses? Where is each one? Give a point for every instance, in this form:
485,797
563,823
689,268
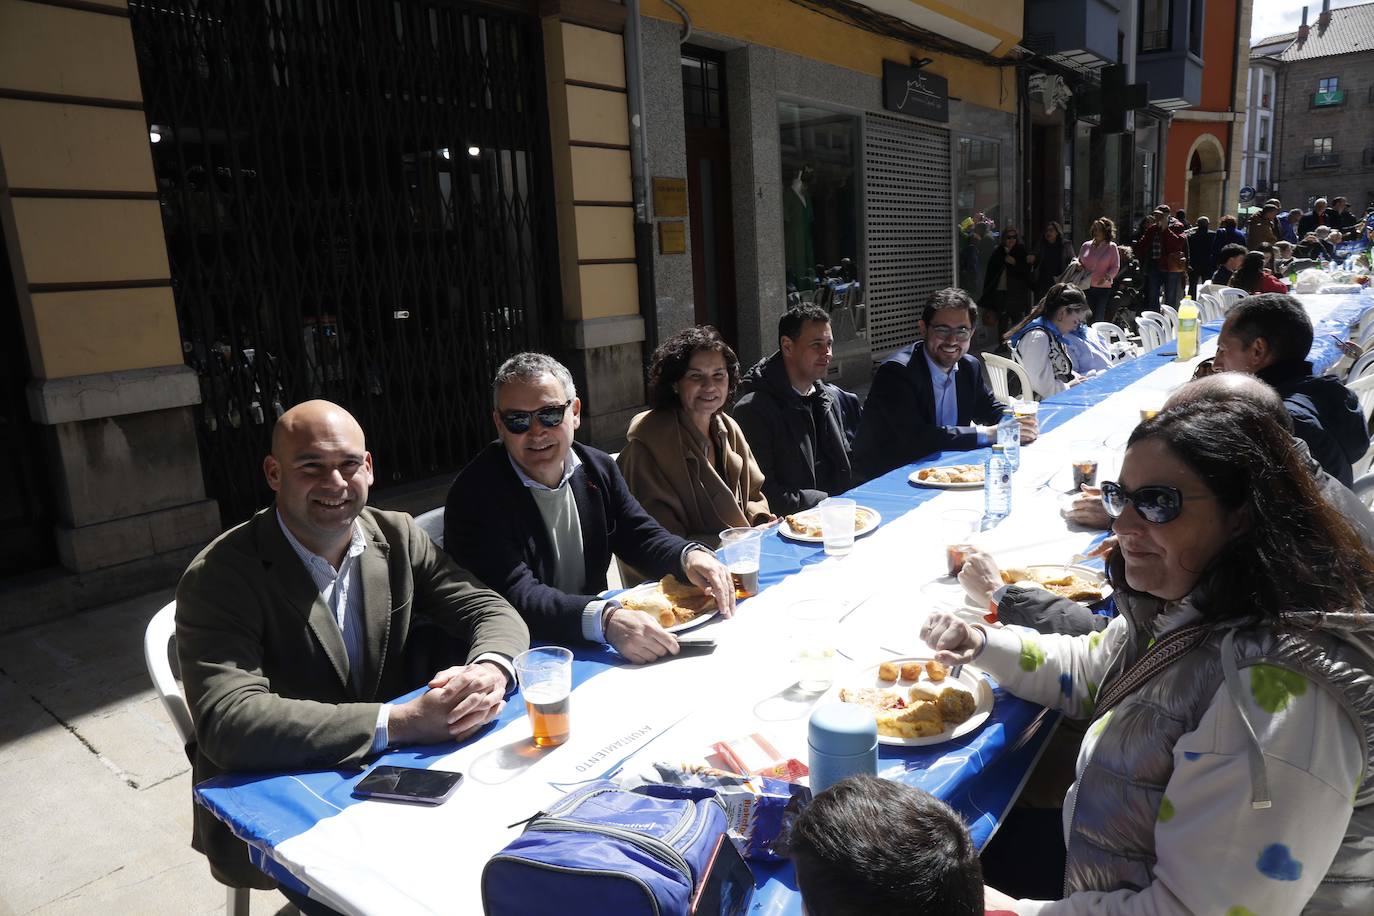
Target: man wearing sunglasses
537,517
931,396
1269,336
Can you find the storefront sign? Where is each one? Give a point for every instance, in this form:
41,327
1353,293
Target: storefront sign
915,92
670,197
672,237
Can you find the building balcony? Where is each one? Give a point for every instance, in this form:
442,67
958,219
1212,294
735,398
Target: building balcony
1079,33
1321,160
1174,75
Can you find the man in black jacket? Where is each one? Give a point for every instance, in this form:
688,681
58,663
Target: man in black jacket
931,396
799,428
1269,336
1201,259
537,516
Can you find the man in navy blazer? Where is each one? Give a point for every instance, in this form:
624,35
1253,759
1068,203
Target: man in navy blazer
536,516
931,396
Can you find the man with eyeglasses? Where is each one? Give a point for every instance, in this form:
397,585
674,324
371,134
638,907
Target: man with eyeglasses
537,517
931,396
297,628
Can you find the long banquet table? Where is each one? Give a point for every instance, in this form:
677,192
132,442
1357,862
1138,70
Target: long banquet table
307,830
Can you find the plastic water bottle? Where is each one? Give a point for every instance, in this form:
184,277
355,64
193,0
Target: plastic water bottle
1187,329
997,484
1009,437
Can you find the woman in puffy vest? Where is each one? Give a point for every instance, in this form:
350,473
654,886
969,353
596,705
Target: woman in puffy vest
1228,764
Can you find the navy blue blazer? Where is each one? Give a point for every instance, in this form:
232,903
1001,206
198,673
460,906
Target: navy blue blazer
493,528
899,424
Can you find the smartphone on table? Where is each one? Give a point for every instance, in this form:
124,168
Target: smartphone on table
410,784
727,886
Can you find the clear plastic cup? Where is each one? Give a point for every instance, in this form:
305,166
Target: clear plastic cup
545,677
1025,408
812,623
958,527
739,551
837,525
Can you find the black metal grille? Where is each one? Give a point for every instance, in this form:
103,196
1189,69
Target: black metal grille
357,201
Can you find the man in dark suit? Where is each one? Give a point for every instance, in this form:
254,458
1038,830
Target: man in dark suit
1201,260
537,516
296,627
931,396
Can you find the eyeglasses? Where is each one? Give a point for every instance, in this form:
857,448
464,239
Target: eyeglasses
1157,505
518,421
942,330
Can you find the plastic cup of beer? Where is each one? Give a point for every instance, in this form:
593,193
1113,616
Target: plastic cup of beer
1027,407
545,677
958,527
739,551
837,525
1083,463
812,623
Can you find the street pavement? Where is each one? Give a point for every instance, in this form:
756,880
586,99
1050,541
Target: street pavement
95,805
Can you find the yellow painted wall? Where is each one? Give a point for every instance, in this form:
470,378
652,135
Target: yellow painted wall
72,52
584,114
90,241
74,147
80,333
786,26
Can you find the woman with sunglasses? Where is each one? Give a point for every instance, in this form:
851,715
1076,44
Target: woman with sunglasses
1054,346
1006,288
687,461
1229,763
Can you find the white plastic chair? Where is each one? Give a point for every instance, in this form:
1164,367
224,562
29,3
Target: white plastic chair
159,639
1210,307
999,367
1361,367
1230,295
1116,340
1364,489
1170,318
1152,332
1364,391
1207,289
432,523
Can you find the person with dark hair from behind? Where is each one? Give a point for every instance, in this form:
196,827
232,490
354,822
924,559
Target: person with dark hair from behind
867,845
686,460
1269,336
1254,278
930,396
800,427
1229,259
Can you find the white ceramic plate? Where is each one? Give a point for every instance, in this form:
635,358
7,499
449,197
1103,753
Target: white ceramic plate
677,627
936,485
970,679
1094,576
871,521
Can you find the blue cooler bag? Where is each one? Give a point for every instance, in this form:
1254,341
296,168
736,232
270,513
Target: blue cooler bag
604,849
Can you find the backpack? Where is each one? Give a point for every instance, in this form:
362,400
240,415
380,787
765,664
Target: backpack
604,849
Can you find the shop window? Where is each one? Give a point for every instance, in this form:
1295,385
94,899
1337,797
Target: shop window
1154,25
820,193
977,207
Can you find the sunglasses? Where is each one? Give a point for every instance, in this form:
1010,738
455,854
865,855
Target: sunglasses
518,421
1157,505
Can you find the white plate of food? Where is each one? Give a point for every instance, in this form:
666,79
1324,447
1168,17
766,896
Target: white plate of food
676,606
806,526
1077,583
949,477
917,702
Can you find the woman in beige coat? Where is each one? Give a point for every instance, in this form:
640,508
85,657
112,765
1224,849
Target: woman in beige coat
686,460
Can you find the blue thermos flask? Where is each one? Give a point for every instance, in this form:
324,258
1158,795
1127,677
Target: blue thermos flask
844,742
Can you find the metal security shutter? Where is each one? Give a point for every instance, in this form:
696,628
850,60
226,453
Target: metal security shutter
907,226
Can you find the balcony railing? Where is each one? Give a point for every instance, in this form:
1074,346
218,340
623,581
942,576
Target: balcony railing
1328,99
1321,160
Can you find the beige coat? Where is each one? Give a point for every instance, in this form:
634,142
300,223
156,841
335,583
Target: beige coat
665,462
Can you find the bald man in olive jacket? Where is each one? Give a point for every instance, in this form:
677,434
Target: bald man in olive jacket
296,628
